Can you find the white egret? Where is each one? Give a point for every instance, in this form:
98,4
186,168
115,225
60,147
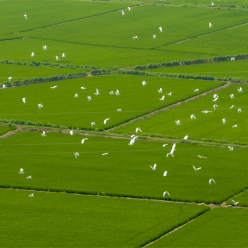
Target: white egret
186,137
44,47
211,180
119,110
206,111
135,37
196,90
24,100
215,106
32,195
122,12
43,134
240,90
232,96
230,148
201,156
192,117
97,92
128,8
111,92
160,28
144,83
83,88
105,121
32,54
212,3
29,177
160,90
232,107
178,122
57,58
210,25
232,58
162,98
82,141
10,78
138,129
154,36
164,145
239,110
224,120
76,154
26,17
169,94
165,174
117,92
153,167
166,192
196,169
76,95
106,153
63,55
40,106
54,87
21,171
215,99
172,150
71,132
4,86
234,126
89,98
92,123
235,203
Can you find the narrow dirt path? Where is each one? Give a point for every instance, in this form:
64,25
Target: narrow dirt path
171,106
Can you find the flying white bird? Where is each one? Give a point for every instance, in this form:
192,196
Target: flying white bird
29,177
21,171
89,98
230,148
10,78
196,169
232,96
122,12
111,92
210,25
82,141
57,58
172,150
169,94
144,83
26,17
43,134
160,28
32,195
160,90
186,137
239,110
164,145
224,121
76,95
137,130
162,98
211,180
83,88
44,47
214,106
128,8
215,99
206,111
32,54
201,156
97,92
166,192
196,90
92,123
40,106
4,86
240,90
234,126
76,154
63,55
165,174
132,141
154,36
235,203
212,4
232,58
135,37
232,107
106,153
119,110
24,100
105,121
117,92
192,117
54,87
153,167
71,132
178,122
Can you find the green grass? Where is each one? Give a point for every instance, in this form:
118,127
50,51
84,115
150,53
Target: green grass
62,108
4,129
241,198
48,12
237,68
62,220
125,170
205,126
21,72
220,227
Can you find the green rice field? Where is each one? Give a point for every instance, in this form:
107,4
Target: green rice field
4,129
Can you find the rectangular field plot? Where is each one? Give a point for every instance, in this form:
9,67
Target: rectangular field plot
236,68
125,170
45,13
118,30
206,125
61,107
62,220
220,227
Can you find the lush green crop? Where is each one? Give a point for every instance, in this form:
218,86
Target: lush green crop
62,220
220,227
241,198
205,126
125,171
236,68
4,129
60,107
